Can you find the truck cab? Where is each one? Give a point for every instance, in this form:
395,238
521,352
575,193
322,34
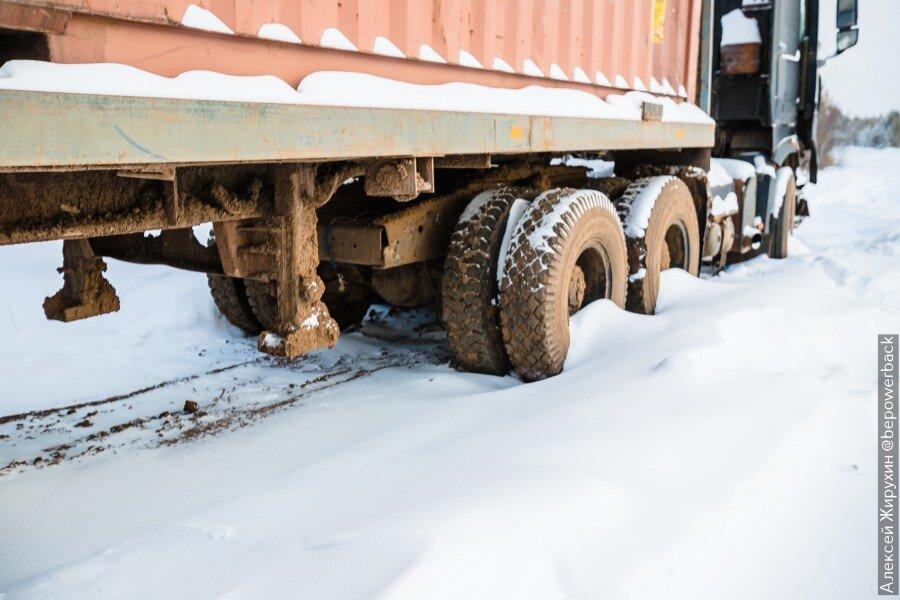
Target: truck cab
762,85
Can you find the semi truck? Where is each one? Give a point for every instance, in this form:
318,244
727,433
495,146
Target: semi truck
413,153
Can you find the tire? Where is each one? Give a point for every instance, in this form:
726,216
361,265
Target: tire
230,297
567,250
469,284
784,222
662,232
347,313
264,304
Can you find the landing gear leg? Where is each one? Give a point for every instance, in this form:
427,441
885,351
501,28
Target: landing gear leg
302,322
85,291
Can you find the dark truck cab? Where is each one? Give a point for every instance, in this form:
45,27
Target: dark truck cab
773,110
762,89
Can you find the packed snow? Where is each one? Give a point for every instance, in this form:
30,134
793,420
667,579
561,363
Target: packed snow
466,59
596,167
782,180
429,54
639,274
386,47
718,176
556,72
334,38
763,167
501,65
278,32
580,76
722,448
518,208
722,207
337,88
739,29
539,228
197,17
734,167
474,206
529,67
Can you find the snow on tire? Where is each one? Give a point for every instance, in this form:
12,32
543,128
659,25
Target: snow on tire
469,285
567,250
785,208
661,227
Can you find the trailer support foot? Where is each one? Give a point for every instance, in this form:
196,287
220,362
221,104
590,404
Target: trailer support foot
85,291
303,323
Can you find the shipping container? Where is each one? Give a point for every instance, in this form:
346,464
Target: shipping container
594,44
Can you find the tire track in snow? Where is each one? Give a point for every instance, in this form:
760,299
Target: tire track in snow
228,398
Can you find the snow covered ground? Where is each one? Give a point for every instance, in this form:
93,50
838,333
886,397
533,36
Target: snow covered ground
723,448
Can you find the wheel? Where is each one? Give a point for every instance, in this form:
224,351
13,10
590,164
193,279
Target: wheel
469,284
348,300
567,250
348,312
230,297
784,221
661,227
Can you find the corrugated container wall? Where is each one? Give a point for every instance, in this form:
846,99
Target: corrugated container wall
614,43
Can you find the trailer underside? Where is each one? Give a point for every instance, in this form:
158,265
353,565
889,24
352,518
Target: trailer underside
287,188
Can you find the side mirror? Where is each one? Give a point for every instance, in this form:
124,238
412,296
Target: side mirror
846,14
847,17
846,40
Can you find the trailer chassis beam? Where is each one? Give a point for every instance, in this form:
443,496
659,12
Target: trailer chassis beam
61,131
177,248
36,207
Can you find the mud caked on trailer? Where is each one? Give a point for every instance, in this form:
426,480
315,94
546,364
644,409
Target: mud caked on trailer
417,164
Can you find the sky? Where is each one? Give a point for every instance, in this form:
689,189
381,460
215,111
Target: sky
865,80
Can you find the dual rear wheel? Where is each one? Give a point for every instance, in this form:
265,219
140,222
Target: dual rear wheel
515,274
520,264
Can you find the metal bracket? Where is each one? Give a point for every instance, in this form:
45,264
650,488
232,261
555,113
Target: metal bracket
403,179
651,111
172,201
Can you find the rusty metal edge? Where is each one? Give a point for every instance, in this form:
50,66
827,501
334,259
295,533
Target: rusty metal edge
22,17
48,130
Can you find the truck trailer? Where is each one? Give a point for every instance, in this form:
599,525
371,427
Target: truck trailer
413,153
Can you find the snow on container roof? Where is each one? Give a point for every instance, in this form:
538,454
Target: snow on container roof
338,89
627,41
